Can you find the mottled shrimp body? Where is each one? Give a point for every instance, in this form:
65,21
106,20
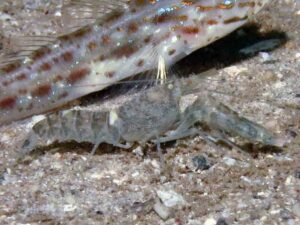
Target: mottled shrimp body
125,41
154,114
149,115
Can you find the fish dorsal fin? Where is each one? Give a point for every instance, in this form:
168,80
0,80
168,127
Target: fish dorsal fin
88,11
17,48
75,15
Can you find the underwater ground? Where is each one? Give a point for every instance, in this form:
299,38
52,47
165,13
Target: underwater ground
258,75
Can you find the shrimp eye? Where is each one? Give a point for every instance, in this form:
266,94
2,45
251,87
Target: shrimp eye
226,4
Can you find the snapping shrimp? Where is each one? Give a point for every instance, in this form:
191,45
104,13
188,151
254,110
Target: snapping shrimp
153,115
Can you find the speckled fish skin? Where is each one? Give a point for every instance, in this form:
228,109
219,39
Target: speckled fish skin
123,43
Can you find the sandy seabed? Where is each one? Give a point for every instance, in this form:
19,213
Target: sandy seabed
63,186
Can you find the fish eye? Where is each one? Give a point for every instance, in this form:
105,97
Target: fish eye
226,4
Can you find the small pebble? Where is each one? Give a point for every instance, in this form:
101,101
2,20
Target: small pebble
285,214
210,221
296,209
2,177
229,161
155,164
5,138
170,198
289,180
221,221
235,70
297,174
265,57
194,222
161,210
270,76
69,208
138,151
291,222
201,163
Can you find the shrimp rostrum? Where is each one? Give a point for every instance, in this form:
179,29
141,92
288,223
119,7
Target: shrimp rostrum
153,115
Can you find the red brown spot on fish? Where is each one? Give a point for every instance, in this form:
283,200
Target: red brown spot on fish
22,91
65,37
140,2
201,8
187,3
22,76
101,58
45,67
212,22
147,39
190,30
57,78
41,90
105,39
78,74
246,4
40,53
115,15
225,6
182,18
92,46
133,27
166,17
67,56
8,102
6,83
56,60
162,38
124,51
9,68
235,19
82,32
30,107
110,74
162,18
63,95
140,63
171,51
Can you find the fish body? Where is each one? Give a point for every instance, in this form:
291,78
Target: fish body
126,41
153,115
